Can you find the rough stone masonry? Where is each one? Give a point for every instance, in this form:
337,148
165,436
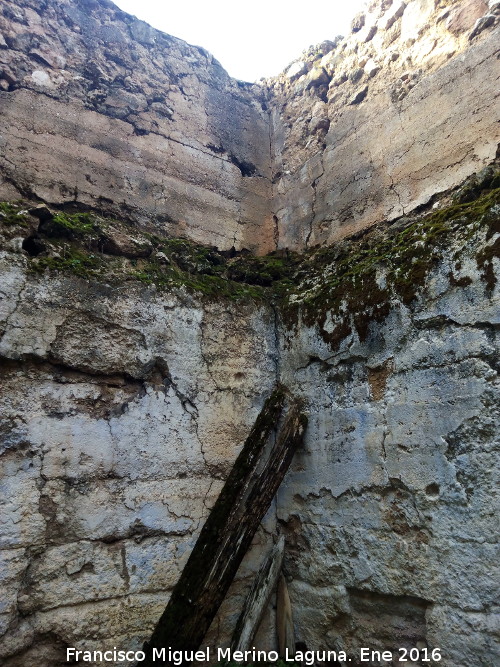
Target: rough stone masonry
173,243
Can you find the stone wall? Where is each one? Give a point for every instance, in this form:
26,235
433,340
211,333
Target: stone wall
389,510
122,412
124,403
371,127
100,110
123,407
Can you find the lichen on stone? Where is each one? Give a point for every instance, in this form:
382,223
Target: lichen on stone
353,283
358,281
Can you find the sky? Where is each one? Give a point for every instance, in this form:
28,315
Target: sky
251,39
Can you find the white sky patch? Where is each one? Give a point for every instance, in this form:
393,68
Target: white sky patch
250,39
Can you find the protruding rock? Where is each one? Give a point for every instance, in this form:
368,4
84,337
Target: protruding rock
16,244
372,68
49,58
481,24
116,242
463,17
162,109
370,33
392,15
327,46
356,75
296,69
319,124
162,258
41,78
359,96
339,80
358,22
316,77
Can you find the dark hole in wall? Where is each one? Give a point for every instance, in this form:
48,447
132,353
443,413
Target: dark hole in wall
33,246
246,168
216,149
432,489
323,93
140,131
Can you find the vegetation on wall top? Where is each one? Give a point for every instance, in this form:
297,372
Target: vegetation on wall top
359,276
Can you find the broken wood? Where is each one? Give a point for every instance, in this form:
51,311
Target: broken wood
258,599
229,529
284,620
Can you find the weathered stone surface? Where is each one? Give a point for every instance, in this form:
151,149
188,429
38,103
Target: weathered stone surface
296,69
481,24
157,127
392,153
463,17
109,463
115,242
391,501
161,129
394,12
358,22
124,406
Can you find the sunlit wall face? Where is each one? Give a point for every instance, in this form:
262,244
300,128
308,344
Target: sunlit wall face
250,39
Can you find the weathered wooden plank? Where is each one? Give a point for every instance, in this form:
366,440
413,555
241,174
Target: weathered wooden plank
229,529
284,620
258,599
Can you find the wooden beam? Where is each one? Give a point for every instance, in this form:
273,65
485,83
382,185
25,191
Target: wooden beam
258,599
284,620
229,529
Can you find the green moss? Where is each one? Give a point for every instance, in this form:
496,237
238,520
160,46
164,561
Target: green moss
153,273
13,213
269,270
340,288
66,225
73,261
487,178
329,280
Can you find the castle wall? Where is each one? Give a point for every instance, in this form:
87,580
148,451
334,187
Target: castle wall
388,510
100,110
372,127
124,404
122,413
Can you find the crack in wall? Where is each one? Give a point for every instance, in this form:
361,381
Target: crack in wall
279,359
17,302
314,185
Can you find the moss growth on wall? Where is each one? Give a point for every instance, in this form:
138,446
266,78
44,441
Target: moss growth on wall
72,260
154,273
64,225
355,283
339,288
13,213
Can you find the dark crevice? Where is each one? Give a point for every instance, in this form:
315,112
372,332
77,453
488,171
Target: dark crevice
33,245
216,149
246,168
